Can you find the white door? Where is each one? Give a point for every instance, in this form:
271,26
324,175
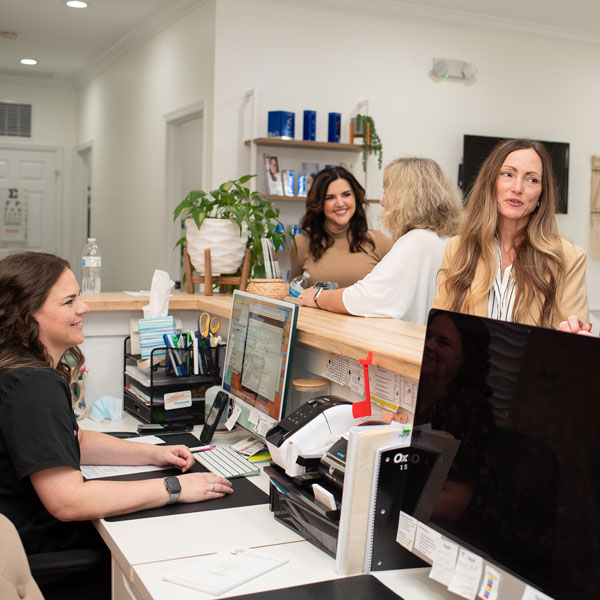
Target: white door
30,210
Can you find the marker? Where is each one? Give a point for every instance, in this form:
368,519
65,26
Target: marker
201,448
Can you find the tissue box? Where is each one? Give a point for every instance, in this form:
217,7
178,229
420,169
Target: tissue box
281,124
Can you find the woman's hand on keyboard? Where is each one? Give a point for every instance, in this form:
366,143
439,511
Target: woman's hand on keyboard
176,456
196,487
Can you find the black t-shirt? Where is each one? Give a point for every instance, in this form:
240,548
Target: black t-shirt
38,430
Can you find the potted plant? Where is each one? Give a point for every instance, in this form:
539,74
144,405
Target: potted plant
371,143
228,220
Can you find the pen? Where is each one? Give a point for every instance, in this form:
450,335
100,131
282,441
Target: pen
201,448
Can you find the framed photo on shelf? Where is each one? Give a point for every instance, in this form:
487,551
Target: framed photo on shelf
310,170
274,185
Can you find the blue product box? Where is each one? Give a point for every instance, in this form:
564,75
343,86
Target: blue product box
301,186
281,124
335,127
309,131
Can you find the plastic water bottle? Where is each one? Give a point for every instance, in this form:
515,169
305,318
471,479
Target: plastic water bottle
91,261
298,284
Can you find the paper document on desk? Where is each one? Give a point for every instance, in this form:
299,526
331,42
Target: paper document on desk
218,573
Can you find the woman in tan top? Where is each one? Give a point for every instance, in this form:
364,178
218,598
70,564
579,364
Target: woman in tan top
508,261
336,244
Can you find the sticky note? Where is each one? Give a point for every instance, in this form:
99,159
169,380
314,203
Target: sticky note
467,574
407,527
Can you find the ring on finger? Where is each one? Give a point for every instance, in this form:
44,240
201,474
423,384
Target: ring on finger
214,487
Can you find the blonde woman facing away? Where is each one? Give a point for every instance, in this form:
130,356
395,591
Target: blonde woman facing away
421,208
508,261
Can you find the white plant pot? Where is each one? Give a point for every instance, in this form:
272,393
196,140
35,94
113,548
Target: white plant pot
226,245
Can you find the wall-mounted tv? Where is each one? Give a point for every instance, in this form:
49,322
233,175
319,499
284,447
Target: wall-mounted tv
476,149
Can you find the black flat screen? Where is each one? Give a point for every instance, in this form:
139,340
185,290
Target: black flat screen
476,149
523,490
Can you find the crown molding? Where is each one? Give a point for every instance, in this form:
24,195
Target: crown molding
159,20
27,80
406,11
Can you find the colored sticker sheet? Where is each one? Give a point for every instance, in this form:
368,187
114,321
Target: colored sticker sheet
490,584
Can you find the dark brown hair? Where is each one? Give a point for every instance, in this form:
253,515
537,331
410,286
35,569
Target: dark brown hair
25,282
313,221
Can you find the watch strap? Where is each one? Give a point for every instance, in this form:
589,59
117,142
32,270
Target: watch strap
172,486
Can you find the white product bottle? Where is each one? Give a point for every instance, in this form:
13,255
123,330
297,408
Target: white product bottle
298,284
91,261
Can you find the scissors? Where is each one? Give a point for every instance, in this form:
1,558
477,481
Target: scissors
208,326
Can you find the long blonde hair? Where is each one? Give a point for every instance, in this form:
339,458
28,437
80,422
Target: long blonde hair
539,265
418,195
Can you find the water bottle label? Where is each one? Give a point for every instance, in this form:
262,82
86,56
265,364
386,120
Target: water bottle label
91,261
295,290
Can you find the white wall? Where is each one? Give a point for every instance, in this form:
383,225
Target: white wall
122,112
311,59
53,124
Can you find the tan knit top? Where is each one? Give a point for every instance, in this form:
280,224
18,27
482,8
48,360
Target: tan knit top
338,263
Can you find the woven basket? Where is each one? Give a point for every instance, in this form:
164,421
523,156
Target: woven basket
272,288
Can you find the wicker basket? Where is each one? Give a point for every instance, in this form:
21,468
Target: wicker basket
272,288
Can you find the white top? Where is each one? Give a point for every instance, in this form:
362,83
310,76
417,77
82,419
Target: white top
402,284
501,298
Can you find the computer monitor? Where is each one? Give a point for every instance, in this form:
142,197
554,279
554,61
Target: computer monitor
523,488
258,359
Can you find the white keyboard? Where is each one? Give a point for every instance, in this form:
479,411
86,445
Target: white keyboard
224,461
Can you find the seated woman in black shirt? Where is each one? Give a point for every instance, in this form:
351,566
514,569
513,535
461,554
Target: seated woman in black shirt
41,445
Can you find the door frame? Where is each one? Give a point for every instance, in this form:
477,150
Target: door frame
61,230
173,191
81,180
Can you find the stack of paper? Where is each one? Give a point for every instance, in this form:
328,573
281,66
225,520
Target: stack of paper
218,573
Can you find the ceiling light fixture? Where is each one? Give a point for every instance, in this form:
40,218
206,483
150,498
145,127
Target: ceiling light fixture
447,68
76,4
28,61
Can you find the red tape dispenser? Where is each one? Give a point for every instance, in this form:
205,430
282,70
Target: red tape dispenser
363,408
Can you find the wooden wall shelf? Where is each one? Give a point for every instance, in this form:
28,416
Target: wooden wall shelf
307,145
300,199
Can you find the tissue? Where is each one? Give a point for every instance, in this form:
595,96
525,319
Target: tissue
159,295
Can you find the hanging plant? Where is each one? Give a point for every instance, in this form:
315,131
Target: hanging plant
371,141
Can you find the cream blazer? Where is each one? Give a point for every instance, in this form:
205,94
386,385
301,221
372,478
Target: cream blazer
574,297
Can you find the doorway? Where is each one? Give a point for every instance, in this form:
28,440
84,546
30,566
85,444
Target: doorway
31,201
185,172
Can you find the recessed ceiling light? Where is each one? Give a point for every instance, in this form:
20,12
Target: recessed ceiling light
76,4
28,61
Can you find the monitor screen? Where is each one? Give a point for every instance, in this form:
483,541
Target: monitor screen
476,149
522,490
258,359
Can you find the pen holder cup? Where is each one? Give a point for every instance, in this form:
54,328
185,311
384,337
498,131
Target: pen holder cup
272,288
209,361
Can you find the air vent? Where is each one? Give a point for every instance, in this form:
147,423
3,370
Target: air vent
15,119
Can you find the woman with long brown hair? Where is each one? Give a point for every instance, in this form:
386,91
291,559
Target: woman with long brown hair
421,209
336,244
42,490
508,261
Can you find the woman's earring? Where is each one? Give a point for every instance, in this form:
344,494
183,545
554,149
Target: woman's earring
538,204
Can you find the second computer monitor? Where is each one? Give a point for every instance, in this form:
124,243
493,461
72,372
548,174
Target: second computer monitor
258,359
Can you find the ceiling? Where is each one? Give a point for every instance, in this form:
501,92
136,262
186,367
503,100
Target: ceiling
68,42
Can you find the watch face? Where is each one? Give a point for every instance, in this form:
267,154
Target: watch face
172,484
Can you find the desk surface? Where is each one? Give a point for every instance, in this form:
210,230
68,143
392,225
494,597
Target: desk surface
396,345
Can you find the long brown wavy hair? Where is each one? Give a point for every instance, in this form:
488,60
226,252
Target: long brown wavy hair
25,282
313,221
539,265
